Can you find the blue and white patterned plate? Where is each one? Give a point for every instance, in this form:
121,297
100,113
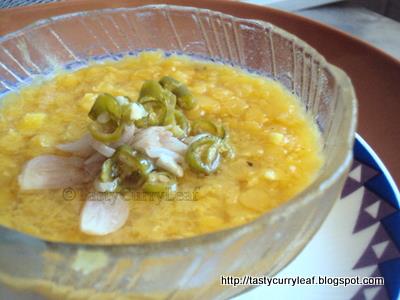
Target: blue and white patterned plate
360,237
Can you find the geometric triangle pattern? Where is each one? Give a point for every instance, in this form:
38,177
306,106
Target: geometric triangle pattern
382,294
373,209
380,249
368,173
356,173
371,292
351,185
380,184
365,293
380,204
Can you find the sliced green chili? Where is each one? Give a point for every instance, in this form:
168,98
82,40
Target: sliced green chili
169,98
132,180
203,154
100,132
169,116
133,161
156,106
128,166
177,123
153,89
184,97
109,171
222,133
159,182
157,112
170,83
182,122
204,126
106,103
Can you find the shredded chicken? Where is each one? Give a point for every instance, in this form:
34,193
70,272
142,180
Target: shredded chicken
103,213
160,144
51,172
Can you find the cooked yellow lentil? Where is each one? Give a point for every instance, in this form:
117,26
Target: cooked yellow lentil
277,149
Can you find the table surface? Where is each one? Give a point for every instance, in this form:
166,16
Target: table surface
377,30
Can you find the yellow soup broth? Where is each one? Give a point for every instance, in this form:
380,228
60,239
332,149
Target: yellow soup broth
277,147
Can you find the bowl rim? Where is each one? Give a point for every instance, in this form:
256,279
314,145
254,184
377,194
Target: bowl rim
311,191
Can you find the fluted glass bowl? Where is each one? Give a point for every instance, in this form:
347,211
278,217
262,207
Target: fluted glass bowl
189,268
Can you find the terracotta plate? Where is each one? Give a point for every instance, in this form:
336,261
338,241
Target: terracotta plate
376,75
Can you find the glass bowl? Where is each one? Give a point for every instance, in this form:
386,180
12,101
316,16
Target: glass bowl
191,267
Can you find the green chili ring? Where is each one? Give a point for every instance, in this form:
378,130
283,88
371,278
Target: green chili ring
97,133
157,112
106,103
204,126
133,160
132,181
182,121
109,171
178,124
169,83
153,89
203,154
184,97
160,182
169,116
